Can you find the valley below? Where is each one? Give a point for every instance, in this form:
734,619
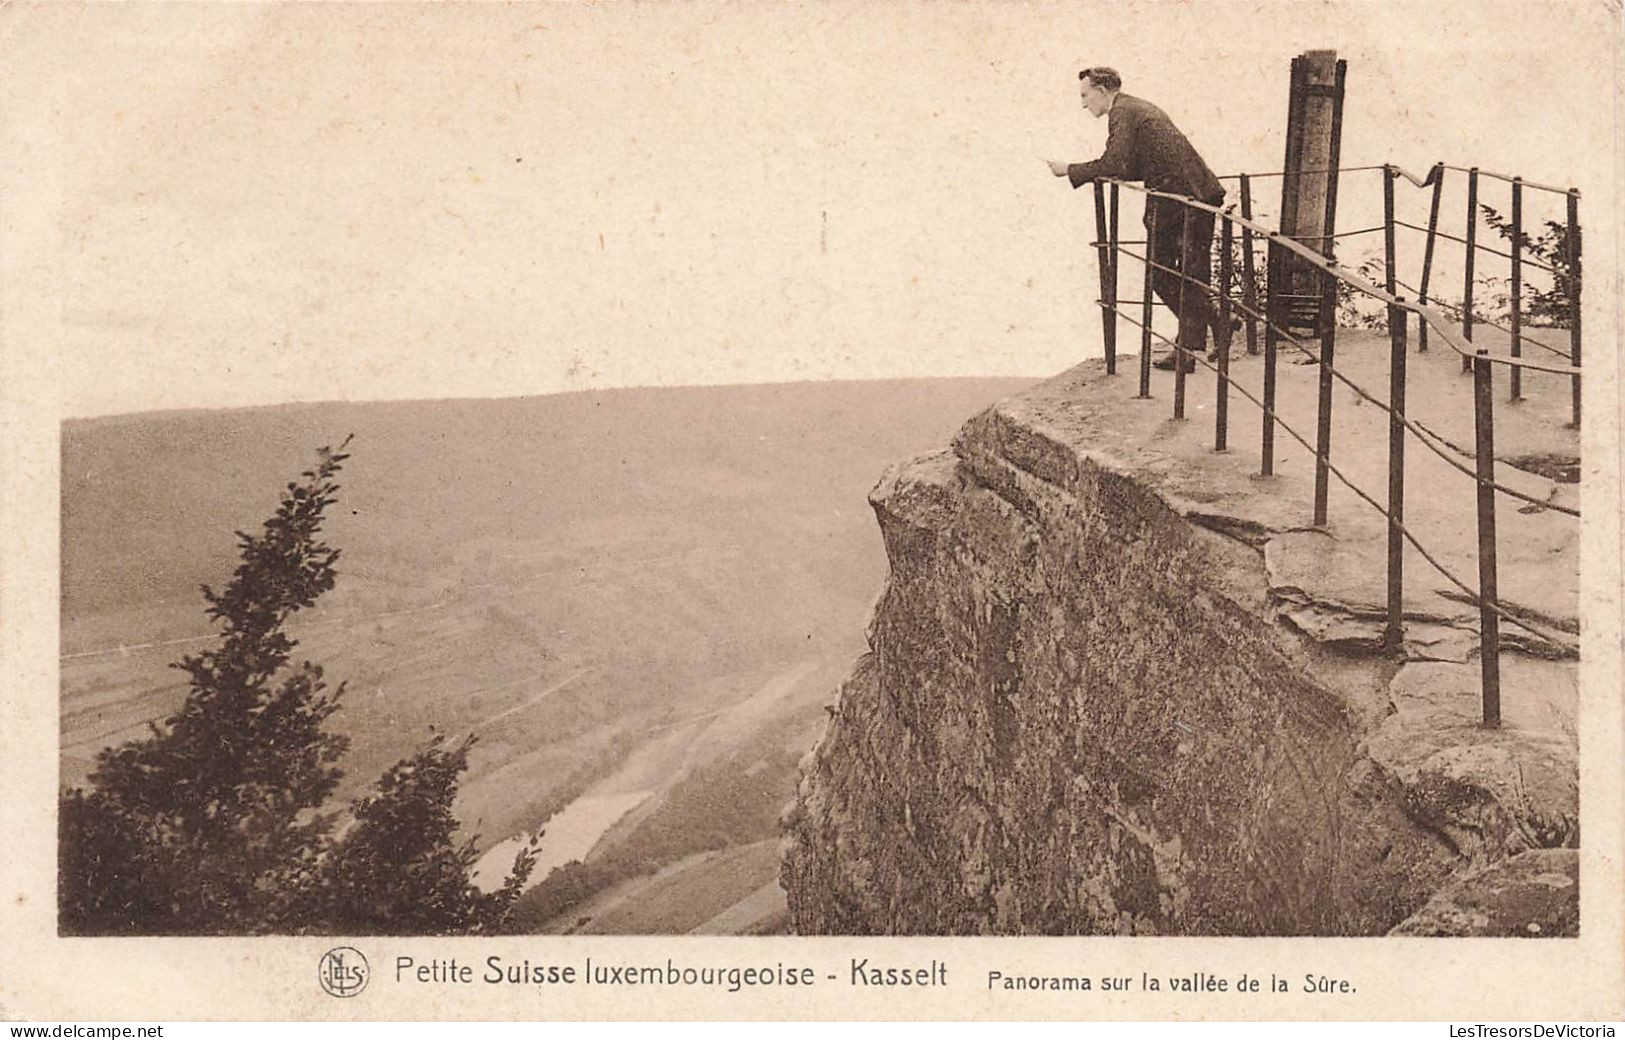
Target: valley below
638,601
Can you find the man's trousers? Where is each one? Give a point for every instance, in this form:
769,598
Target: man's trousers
1181,239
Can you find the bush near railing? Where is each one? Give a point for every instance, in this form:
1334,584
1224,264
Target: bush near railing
1492,295
1548,308
1356,310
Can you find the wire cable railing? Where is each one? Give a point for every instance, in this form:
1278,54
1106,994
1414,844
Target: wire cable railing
1542,634
1479,318
1565,267
1320,172
1293,261
1461,345
1476,245
1422,434
1510,179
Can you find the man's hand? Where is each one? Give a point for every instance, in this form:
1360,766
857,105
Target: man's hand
1057,168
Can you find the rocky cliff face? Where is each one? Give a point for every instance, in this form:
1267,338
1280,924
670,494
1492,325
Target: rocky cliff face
1115,685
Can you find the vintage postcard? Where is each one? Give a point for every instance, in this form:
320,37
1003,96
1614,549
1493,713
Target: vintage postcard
811,510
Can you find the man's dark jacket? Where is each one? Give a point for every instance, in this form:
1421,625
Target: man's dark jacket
1142,144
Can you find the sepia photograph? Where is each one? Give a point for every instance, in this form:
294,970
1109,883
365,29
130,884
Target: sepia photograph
813,510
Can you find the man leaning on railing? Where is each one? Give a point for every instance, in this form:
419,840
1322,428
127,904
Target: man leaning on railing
1142,144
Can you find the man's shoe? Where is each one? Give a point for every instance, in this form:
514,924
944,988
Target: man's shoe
1167,362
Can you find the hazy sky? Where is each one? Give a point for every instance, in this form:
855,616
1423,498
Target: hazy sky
212,205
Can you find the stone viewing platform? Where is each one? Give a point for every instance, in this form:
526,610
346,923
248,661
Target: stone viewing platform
1338,572
1119,683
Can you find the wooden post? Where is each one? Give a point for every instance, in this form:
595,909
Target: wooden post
1309,178
1307,182
1334,159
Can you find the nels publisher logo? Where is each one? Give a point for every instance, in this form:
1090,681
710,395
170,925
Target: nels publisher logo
343,971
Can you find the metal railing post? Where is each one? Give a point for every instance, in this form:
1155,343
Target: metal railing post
1117,262
1517,284
1221,403
1388,176
1323,410
1427,253
1249,285
1573,257
1489,632
1108,313
1145,303
1272,291
1181,351
1472,256
1396,477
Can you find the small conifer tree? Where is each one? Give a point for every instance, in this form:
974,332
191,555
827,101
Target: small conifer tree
216,821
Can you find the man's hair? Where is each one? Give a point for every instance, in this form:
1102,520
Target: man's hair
1102,76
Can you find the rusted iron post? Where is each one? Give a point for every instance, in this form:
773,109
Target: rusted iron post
1145,304
1273,286
1323,410
1181,348
1427,253
1489,622
1221,403
1108,313
1117,262
1396,477
1249,283
1517,284
1472,256
1572,252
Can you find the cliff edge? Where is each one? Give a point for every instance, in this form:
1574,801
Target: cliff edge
1118,684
